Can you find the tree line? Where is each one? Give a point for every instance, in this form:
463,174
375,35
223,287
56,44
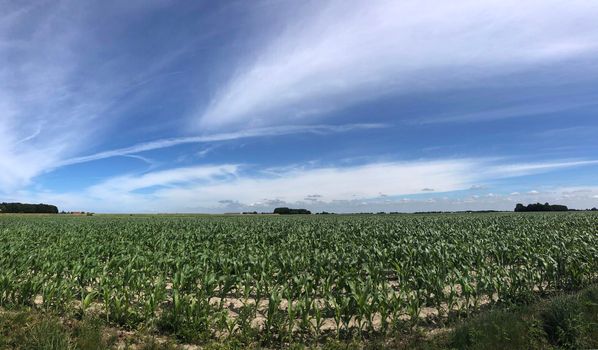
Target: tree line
288,211
28,208
540,207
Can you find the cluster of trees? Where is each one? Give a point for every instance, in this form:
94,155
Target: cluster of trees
288,211
28,208
540,207
78,213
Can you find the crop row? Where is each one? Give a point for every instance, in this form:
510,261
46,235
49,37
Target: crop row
278,277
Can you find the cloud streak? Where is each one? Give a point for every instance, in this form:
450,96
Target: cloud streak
339,52
67,97
510,112
229,136
62,94
55,100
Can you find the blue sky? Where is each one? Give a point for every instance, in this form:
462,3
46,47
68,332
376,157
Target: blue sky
348,106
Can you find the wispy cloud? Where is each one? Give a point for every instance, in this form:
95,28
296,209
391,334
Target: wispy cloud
65,94
249,133
62,94
526,110
56,86
522,169
338,52
203,188
206,188
165,178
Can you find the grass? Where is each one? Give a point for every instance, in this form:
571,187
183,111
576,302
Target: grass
47,334
34,330
494,330
562,322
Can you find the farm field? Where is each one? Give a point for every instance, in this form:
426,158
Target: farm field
275,279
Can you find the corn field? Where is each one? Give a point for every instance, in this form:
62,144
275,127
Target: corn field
275,278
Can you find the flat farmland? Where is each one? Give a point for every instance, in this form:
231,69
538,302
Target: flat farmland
278,278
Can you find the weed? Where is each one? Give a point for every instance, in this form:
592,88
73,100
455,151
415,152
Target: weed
563,322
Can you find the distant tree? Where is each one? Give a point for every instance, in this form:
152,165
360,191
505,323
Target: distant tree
289,211
540,207
28,208
282,211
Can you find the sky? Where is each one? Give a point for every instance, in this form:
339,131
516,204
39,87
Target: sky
343,106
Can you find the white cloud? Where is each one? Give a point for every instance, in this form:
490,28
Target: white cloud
58,98
248,133
54,97
224,187
511,112
205,187
128,183
54,94
338,52
522,169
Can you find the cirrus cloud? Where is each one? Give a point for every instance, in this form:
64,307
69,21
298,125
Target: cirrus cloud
338,52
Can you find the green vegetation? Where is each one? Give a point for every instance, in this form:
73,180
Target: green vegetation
280,280
540,207
289,211
28,208
564,322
